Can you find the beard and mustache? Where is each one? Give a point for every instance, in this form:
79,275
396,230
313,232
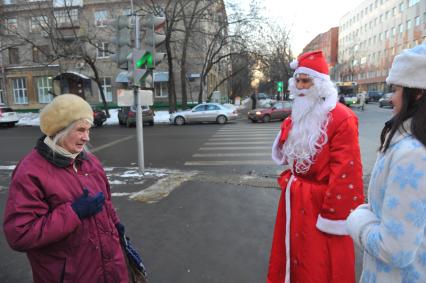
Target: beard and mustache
308,133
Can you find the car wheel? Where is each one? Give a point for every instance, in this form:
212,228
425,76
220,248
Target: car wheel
266,119
221,119
179,120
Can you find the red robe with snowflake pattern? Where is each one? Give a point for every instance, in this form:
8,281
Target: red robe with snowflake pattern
320,200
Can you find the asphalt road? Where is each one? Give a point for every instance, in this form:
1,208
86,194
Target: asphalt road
216,225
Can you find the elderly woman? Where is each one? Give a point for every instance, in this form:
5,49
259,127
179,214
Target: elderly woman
391,227
59,208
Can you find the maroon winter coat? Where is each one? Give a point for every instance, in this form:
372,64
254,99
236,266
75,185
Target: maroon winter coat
40,221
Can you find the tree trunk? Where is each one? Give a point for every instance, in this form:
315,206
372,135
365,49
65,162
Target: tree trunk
171,81
98,82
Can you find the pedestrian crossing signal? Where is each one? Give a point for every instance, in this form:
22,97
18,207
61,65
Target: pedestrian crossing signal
279,86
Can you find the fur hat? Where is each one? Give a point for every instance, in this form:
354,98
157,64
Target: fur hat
409,68
62,111
311,63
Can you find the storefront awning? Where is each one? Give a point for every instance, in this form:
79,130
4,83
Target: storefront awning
72,73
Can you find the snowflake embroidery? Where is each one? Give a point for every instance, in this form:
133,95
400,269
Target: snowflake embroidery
402,258
422,258
392,202
378,168
407,176
419,238
415,144
383,267
409,274
376,208
417,215
395,228
372,245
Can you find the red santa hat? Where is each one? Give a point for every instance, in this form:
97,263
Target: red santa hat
311,63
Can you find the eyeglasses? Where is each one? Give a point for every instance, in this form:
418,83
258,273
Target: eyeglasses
303,80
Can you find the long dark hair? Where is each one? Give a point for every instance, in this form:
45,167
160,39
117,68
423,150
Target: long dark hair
413,106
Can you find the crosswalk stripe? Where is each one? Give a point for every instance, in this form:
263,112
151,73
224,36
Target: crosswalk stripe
238,142
229,162
235,138
231,154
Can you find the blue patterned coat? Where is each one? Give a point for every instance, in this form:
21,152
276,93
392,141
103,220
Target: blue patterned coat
391,227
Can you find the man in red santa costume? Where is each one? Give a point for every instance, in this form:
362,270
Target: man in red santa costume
322,182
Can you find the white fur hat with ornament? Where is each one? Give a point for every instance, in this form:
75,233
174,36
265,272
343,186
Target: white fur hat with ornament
409,68
311,63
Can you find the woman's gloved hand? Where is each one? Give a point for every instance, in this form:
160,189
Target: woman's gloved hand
86,206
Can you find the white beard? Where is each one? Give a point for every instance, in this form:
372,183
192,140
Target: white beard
308,133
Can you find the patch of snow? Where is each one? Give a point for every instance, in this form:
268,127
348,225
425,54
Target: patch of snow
10,167
116,182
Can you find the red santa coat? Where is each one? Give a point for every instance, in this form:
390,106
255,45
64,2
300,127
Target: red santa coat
318,203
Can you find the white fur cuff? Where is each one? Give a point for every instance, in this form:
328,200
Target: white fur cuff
335,227
358,222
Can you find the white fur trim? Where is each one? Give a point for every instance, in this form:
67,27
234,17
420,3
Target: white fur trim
287,228
277,154
312,73
358,223
335,227
409,68
294,64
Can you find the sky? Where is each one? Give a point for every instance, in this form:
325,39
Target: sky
305,18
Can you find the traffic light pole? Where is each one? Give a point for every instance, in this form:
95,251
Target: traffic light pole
139,121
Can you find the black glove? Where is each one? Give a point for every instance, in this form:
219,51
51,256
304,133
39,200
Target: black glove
87,206
120,229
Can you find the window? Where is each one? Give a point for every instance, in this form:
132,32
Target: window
44,89
20,95
13,55
66,16
161,89
38,24
100,18
401,6
412,2
401,28
126,11
408,24
67,3
417,21
393,31
1,91
106,87
9,2
40,54
394,11
102,50
11,25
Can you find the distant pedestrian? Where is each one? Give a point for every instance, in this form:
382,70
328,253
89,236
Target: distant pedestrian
59,209
254,100
361,98
321,182
278,97
391,227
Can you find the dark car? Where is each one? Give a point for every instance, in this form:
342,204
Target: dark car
99,116
127,116
373,96
278,111
386,100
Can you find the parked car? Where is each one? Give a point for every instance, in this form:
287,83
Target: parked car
262,95
127,115
373,96
8,117
386,100
206,112
99,116
278,111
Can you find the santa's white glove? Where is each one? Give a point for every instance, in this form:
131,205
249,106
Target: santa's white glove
359,222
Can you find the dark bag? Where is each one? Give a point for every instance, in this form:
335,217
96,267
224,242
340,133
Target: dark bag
135,267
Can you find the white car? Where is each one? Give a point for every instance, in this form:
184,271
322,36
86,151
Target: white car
206,112
7,116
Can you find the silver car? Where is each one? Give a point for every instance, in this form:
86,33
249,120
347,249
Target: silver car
206,112
8,117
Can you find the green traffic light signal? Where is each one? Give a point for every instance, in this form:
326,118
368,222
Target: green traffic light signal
279,86
147,59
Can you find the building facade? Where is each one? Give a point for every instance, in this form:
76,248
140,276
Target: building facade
60,46
328,43
372,34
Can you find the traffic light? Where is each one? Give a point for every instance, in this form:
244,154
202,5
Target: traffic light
154,36
122,41
279,86
136,61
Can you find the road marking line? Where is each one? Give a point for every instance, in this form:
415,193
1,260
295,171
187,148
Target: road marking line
235,148
111,144
236,143
229,162
231,154
235,138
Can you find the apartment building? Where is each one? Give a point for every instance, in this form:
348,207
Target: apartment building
328,43
44,44
372,34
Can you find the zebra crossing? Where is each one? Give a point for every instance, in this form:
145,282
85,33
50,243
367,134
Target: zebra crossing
237,144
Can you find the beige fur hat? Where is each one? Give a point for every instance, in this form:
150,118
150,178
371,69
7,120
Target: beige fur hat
62,111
